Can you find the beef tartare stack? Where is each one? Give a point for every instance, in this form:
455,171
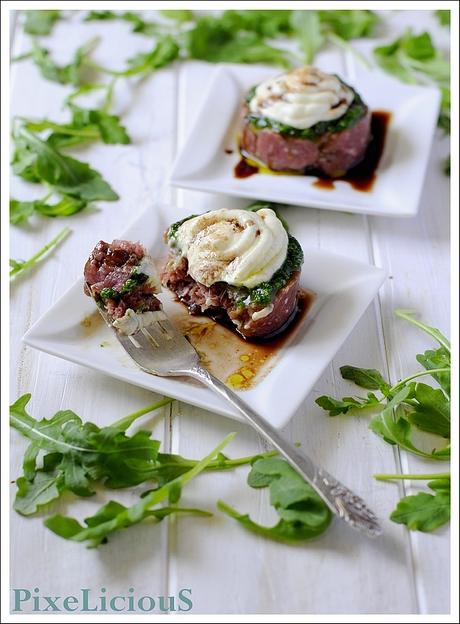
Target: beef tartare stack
122,279
305,121
237,265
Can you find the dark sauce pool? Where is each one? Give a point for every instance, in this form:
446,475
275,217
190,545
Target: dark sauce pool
361,177
237,361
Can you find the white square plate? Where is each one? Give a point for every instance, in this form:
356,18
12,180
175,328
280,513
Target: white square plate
344,289
204,164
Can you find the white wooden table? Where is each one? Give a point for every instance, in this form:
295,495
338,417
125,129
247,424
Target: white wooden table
228,569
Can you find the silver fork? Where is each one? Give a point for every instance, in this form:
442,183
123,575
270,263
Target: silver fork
162,350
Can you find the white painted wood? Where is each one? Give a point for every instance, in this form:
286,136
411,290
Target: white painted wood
137,558
228,570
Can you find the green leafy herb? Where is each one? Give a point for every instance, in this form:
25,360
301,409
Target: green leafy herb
85,125
423,511
138,25
348,24
347,404
443,16
77,456
82,453
215,39
365,378
406,404
40,22
265,291
18,267
36,160
415,59
112,517
303,515
20,211
166,51
270,24
307,26
77,72
404,408
394,425
182,15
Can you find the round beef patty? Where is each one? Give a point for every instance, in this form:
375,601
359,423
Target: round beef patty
332,153
221,300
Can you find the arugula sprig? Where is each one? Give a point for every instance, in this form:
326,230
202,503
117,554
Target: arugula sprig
303,514
18,267
40,22
74,181
86,124
404,408
443,16
67,455
245,36
413,58
314,29
422,511
113,516
79,70
77,456
408,403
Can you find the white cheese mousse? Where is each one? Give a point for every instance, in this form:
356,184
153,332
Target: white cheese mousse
238,247
302,98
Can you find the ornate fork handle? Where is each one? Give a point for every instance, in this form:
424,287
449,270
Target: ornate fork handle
340,500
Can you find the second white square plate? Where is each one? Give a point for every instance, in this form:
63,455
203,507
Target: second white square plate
204,162
72,328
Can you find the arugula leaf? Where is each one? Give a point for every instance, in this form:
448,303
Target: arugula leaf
34,494
408,315
443,16
93,16
407,404
415,59
40,22
303,514
18,267
113,517
270,24
64,174
307,27
411,56
394,427
82,452
76,72
347,404
350,24
365,378
425,512
86,125
444,115
20,211
182,15
431,410
166,51
435,360
212,39
139,25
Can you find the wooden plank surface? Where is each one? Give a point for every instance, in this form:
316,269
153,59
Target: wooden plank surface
229,570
